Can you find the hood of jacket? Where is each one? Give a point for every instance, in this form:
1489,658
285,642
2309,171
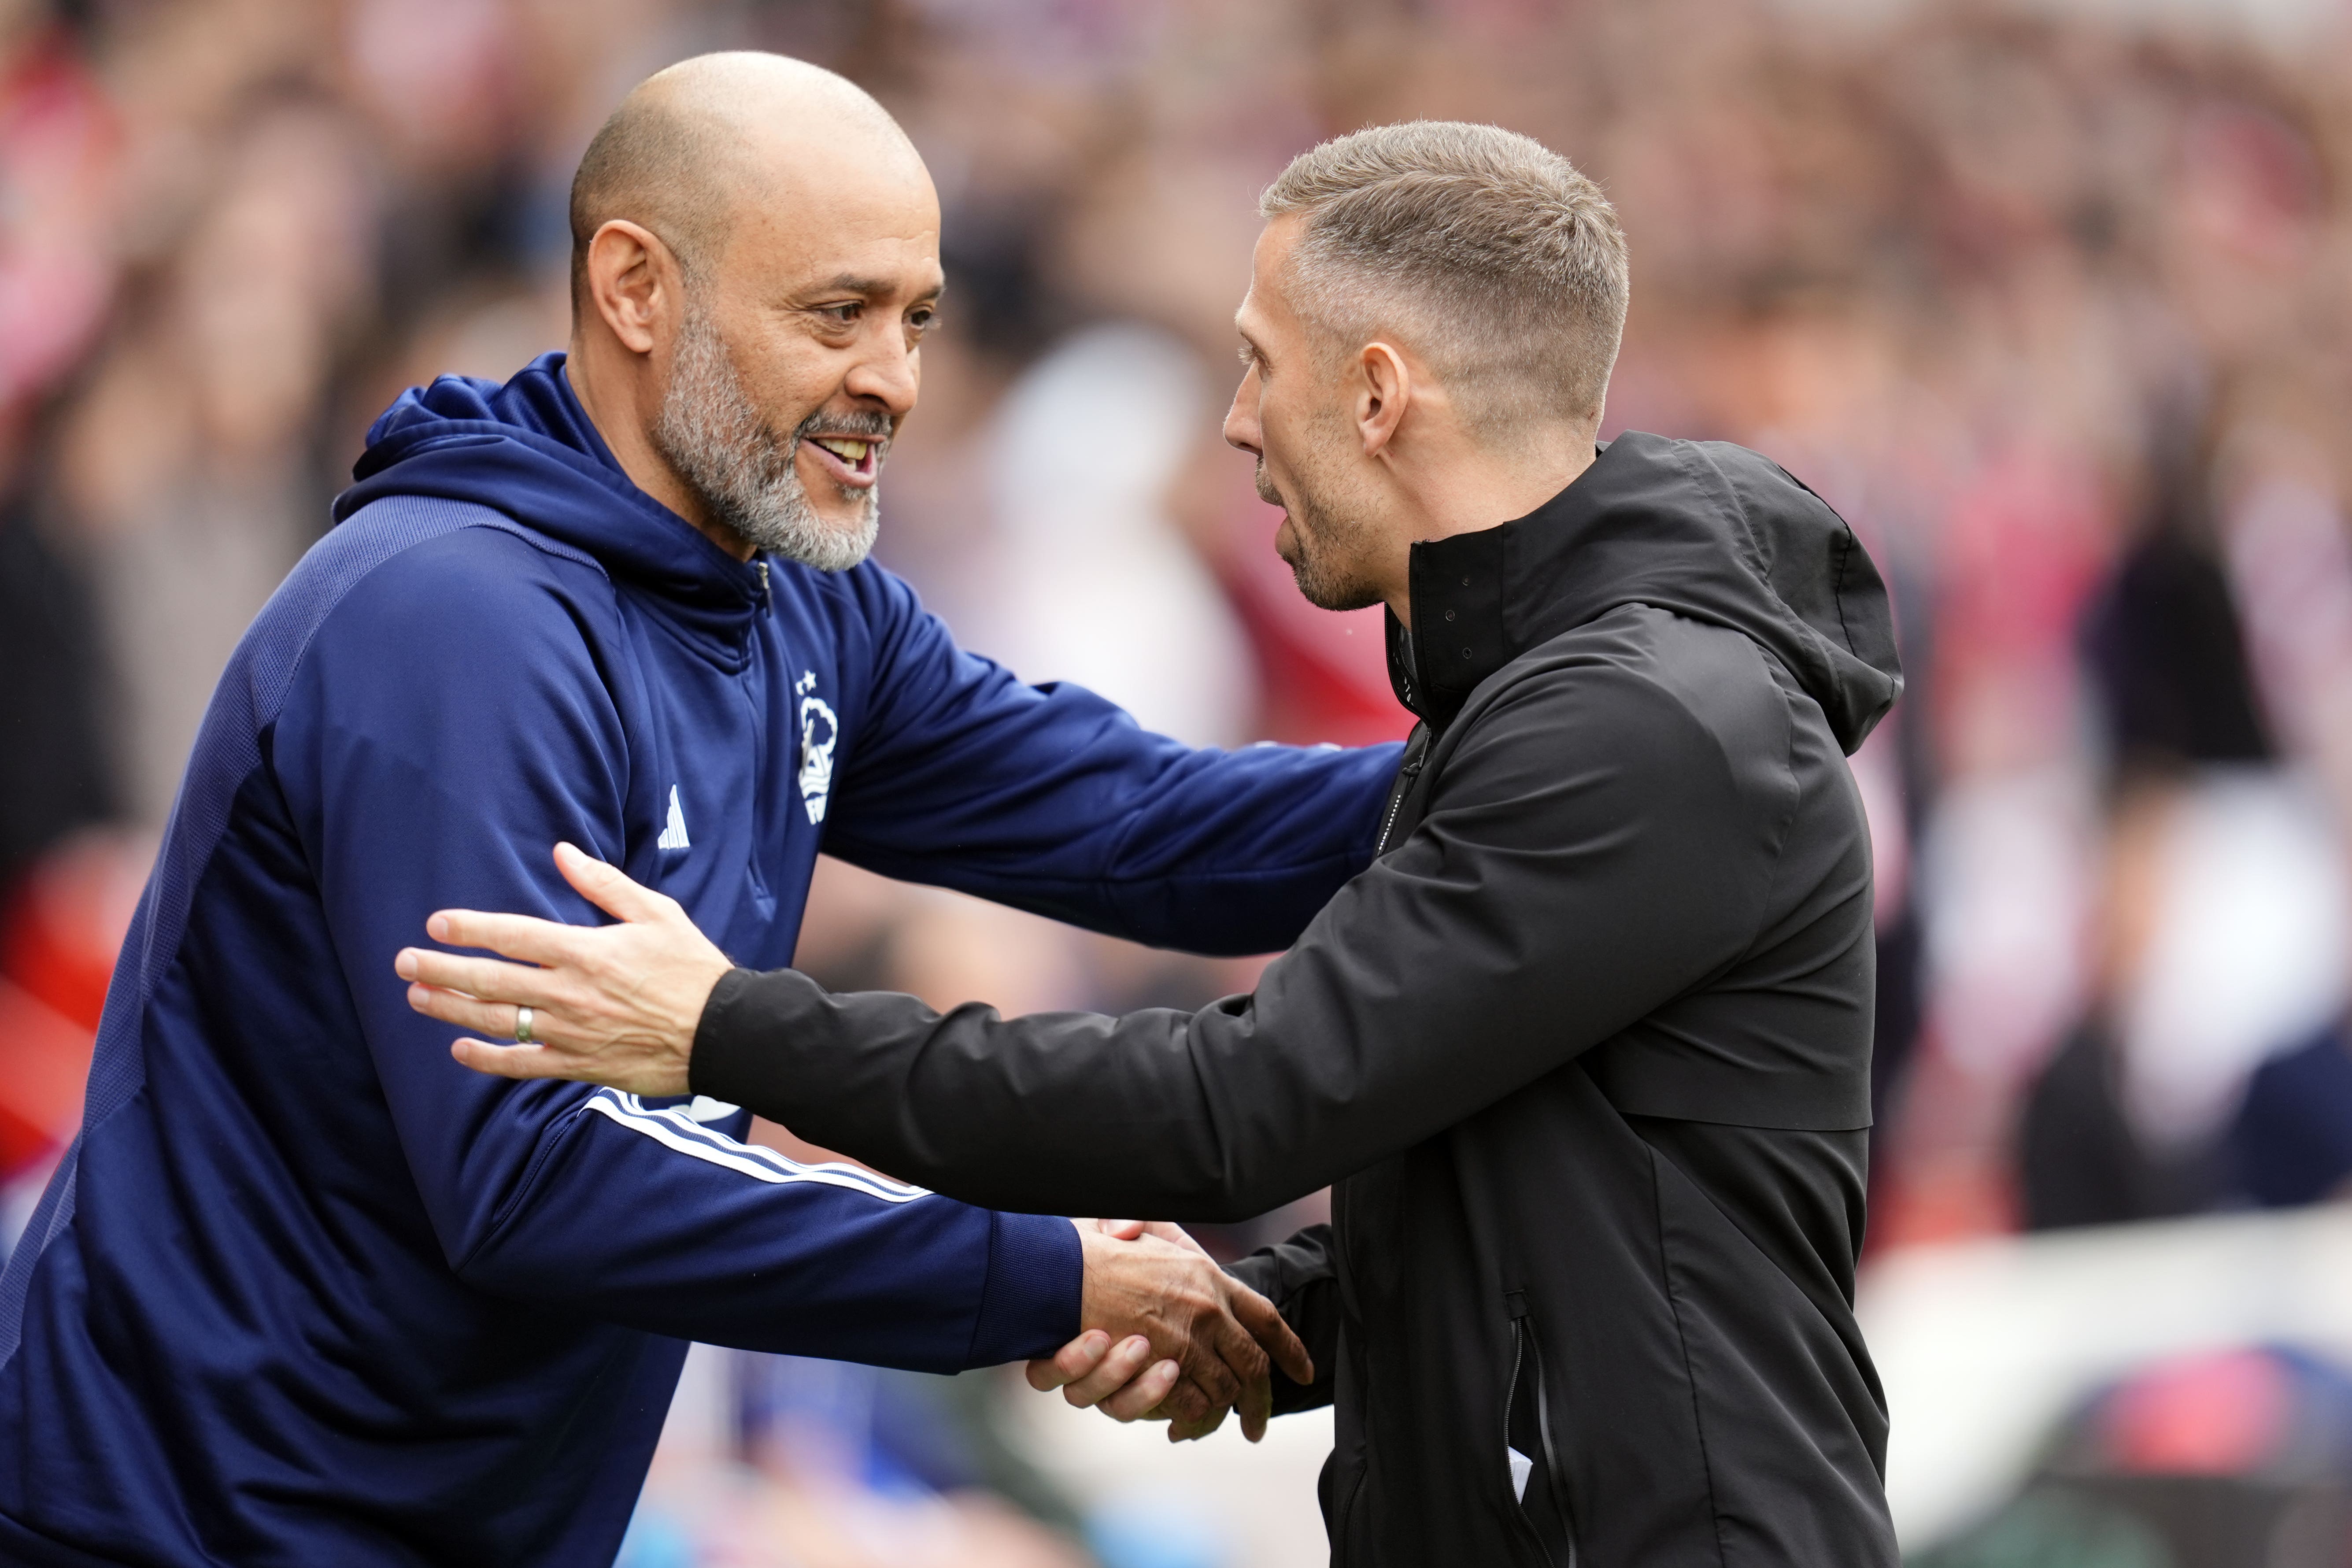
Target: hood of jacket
528,449
1702,528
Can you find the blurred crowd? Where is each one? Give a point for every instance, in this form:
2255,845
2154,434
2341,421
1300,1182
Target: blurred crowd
2052,304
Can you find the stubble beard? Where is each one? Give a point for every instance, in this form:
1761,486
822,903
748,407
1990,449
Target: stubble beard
1333,548
744,473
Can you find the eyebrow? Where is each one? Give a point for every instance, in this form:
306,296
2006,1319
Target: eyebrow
850,283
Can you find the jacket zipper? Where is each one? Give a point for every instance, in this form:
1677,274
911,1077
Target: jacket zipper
762,741
1416,750
1523,1345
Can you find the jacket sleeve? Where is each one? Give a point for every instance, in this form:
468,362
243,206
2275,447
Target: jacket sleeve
1590,851
1053,800
1301,1280
448,724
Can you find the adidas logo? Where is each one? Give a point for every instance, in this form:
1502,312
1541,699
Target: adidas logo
673,832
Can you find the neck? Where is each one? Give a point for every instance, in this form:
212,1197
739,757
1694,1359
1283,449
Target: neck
1478,492
616,388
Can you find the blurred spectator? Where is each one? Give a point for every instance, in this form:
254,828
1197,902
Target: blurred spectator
2222,922
1967,269
2217,1460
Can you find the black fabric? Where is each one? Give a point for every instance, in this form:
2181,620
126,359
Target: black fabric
2163,642
53,770
1585,1053
2079,1161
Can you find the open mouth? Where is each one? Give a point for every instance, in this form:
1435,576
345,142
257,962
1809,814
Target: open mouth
853,460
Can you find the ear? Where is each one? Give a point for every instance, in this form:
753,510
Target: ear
1384,391
635,284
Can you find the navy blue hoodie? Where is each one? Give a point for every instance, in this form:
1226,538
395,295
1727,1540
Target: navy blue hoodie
306,1291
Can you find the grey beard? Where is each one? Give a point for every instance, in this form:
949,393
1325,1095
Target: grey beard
711,433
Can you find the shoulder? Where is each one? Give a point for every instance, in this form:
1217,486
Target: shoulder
1662,699
410,567
415,585
1639,665
445,557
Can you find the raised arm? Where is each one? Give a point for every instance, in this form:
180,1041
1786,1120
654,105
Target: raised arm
446,724
1051,799
1588,854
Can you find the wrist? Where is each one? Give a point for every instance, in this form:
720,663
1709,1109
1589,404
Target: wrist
716,1042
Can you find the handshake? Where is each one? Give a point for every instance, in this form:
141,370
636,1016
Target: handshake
1168,1335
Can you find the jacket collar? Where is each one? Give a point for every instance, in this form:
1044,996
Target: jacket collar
1707,530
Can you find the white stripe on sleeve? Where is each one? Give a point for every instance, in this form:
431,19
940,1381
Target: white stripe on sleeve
675,1130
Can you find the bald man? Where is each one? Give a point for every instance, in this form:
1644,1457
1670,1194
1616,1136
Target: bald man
305,1291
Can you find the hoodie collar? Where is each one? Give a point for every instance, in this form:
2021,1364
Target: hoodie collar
1705,529
528,449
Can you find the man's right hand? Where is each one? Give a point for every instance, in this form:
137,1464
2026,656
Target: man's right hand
1169,1334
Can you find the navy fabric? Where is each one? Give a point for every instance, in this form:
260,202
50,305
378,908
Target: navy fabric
2292,1135
304,1291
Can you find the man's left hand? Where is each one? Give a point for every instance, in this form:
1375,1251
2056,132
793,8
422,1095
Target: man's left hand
614,1004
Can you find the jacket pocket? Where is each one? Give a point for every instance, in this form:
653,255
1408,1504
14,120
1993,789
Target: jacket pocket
1538,1487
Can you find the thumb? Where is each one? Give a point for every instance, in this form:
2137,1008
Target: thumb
1121,1229
607,886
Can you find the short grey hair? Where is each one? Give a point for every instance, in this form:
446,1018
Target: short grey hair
1497,261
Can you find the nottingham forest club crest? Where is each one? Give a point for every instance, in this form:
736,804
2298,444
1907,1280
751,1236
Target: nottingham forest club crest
819,732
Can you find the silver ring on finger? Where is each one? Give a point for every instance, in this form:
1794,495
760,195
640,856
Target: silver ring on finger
522,1026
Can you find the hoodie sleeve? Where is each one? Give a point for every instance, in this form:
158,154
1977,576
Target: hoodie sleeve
1051,799
1591,851
452,719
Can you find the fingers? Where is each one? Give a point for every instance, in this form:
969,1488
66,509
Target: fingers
1167,1231
508,1061
609,888
1094,1375
1141,1398
1258,1315
1176,1298
1129,1229
1217,1361
1125,1360
1185,1429
1188,1407
1071,1363
1230,1363
527,937
1256,1408
1273,1337
485,979
472,1013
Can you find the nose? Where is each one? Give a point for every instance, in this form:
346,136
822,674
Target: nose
888,373
1242,420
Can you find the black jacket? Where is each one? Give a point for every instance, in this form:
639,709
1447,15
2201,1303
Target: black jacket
1585,1052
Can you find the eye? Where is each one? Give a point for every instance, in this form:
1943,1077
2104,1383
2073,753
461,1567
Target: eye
845,314
922,319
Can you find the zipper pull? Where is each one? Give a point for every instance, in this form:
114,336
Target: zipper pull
763,577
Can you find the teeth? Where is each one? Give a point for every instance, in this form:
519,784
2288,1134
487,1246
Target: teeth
843,447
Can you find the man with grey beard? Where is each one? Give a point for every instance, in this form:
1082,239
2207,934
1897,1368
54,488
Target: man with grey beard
307,1290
